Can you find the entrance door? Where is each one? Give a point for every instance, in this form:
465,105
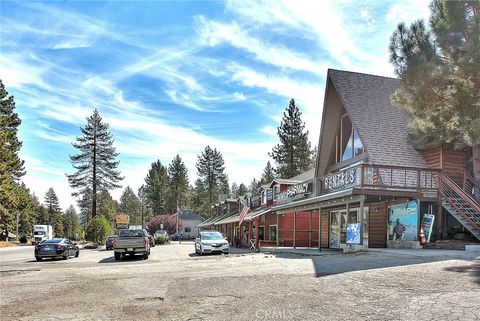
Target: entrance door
334,240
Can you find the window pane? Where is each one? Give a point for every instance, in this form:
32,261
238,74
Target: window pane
357,144
348,152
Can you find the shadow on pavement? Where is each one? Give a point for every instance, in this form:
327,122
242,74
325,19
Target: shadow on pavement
111,259
471,269
342,263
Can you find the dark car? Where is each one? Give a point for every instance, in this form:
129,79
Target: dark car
56,248
151,239
178,237
109,242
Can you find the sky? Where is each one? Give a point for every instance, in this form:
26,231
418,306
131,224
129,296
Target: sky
171,77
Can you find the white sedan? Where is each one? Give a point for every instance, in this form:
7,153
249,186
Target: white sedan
211,242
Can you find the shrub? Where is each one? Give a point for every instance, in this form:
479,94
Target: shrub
98,229
169,224
161,239
23,239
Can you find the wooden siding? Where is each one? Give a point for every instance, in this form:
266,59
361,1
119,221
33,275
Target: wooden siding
433,157
377,225
451,162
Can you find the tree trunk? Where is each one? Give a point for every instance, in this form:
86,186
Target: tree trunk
476,161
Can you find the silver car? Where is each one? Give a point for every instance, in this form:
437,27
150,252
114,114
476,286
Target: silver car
211,242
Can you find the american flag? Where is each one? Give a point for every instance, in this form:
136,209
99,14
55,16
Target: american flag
243,214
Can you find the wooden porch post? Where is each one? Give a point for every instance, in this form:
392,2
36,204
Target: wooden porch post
440,220
294,229
257,226
320,228
249,233
278,229
310,230
362,201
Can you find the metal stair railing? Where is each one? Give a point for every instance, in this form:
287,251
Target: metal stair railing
471,186
460,201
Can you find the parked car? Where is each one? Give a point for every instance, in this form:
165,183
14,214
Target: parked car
109,242
151,239
56,248
178,237
131,242
211,242
161,233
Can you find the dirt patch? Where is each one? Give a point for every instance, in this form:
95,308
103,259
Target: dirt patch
4,244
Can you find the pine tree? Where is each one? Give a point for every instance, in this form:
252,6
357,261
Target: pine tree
96,165
130,204
55,217
198,199
268,174
70,225
178,180
85,206
211,167
254,186
242,189
293,154
107,206
156,188
27,210
440,76
234,190
11,166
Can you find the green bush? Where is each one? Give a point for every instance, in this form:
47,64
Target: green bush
23,239
98,229
161,239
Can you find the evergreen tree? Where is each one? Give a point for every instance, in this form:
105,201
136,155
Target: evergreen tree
156,188
26,208
130,204
144,207
107,206
198,199
211,167
52,205
242,189
293,154
440,76
96,167
11,166
268,174
178,179
70,225
254,186
234,190
85,206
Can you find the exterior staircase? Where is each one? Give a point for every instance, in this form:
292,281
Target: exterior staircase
462,204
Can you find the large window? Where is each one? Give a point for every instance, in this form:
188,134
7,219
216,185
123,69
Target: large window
347,141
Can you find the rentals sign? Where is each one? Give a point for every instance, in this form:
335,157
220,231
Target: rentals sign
340,180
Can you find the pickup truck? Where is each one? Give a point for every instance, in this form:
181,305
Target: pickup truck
131,242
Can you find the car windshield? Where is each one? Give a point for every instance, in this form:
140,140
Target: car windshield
53,241
212,236
161,232
131,233
39,233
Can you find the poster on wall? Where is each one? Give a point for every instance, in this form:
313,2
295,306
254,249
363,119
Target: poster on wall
427,225
403,222
353,233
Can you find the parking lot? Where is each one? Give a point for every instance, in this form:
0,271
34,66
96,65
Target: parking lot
176,284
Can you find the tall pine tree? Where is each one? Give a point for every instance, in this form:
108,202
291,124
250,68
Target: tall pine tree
156,188
70,223
107,206
55,216
178,179
242,189
11,166
96,167
268,174
440,76
130,204
211,167
293,154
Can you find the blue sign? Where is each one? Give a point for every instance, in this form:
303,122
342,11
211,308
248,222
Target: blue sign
354,232
403,222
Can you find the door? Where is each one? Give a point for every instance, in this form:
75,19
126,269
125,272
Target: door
334,239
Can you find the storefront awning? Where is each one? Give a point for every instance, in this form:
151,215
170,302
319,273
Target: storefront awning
257,213
230,219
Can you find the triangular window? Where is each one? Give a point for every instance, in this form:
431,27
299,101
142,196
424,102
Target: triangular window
348,144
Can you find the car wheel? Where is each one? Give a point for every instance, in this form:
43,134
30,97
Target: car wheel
38,258
78,253
117,256
201,251
145,256
65,257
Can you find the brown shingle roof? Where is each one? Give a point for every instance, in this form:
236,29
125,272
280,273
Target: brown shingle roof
382,127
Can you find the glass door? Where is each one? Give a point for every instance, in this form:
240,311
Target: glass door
334,241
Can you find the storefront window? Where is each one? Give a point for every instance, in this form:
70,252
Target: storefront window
261,233
273,232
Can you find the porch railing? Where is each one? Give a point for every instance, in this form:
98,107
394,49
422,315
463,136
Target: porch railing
472,187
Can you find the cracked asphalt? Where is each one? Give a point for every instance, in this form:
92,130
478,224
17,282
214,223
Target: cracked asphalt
176,284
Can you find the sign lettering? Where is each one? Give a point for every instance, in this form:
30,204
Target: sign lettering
340,180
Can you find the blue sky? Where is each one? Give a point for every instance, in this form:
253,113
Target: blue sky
173,76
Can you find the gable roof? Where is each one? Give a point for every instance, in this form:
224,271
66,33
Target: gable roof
189,215
382,127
